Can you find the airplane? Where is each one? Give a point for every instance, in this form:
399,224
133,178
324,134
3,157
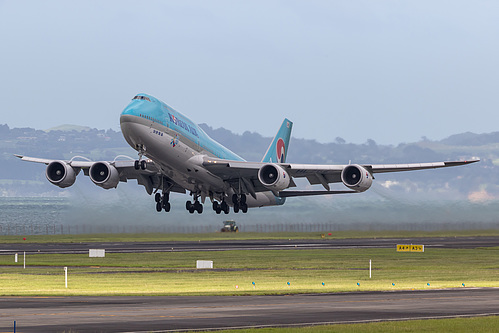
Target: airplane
176,155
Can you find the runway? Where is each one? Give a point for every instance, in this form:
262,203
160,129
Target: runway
225,245
172,314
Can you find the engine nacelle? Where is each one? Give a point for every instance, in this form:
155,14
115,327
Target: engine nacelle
356,178
60,174
273,177
104,175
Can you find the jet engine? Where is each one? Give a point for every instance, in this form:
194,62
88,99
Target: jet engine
273,177
60,174
104,175
356,178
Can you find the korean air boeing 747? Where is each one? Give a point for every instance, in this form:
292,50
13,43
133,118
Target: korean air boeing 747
176,155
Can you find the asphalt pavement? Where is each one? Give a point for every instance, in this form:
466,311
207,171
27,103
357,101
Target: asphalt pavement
173,314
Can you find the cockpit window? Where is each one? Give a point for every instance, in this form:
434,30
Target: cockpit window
142,98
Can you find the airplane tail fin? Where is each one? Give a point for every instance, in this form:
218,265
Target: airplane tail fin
278,149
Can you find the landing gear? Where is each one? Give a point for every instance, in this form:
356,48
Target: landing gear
221,207
162,202
239,202
194,207
140,163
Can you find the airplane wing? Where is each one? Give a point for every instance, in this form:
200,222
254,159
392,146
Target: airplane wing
150,178
232,171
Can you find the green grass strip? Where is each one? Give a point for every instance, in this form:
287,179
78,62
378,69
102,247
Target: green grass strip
89,238
307,271
458,325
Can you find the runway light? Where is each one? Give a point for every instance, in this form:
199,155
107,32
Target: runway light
393,284
323,284
464,285
24,238
358,284
329,234
428,284
288,283
237,287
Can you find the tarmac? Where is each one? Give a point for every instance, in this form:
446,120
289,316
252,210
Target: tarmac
182,313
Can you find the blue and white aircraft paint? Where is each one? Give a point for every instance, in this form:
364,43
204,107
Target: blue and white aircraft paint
176,155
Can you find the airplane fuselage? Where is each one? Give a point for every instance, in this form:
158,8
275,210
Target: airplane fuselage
179,147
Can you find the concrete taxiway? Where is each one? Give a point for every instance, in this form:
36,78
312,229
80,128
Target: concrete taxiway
171,314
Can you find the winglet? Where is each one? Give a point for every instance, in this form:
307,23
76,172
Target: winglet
278,148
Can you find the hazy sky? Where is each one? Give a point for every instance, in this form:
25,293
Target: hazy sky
391,71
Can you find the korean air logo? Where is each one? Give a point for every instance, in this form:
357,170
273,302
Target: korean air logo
174,141
281,151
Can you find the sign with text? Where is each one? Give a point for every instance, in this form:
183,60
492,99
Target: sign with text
410,248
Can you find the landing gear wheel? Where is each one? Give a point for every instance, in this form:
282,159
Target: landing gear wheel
224,207
167,206
188,205
157,197
198,207
143,165
217,207
242,200
244,208
236,208
235,199
159,207
136,165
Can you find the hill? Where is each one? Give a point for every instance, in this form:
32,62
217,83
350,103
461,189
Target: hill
66,142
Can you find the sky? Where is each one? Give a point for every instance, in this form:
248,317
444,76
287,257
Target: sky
389,71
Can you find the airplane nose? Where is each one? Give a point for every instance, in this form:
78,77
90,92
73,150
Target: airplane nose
129,110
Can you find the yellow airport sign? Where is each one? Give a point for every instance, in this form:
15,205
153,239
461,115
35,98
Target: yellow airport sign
410,248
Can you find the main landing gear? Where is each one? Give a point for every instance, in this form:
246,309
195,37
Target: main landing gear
239,202
192,207
221,207
162,202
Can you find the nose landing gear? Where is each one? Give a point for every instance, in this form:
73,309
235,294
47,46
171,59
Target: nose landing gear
140,163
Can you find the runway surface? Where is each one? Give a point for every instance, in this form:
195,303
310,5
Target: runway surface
169,314
146,314
136,247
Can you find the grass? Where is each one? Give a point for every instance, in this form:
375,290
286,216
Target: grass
88,238
174,273
458,325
